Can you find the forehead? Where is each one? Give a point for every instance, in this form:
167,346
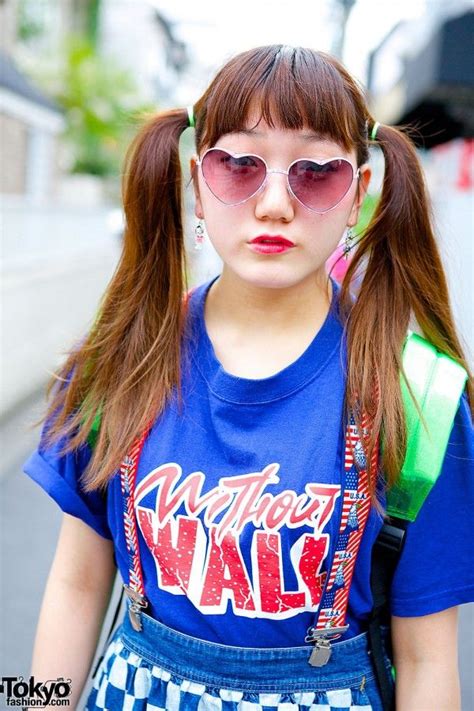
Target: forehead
258,135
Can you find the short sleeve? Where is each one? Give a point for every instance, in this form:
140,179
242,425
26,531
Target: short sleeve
436,570
60,477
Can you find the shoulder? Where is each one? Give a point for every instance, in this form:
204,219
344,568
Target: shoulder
435,569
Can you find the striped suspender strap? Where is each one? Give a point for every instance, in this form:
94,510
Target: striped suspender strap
355,511
135,589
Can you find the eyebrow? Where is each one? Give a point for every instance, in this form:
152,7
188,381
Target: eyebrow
313,136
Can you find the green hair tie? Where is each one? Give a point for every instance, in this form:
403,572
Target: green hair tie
190,111
374,131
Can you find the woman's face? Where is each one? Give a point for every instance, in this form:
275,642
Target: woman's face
274,211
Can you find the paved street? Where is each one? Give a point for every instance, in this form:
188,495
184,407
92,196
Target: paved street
29,526
30,523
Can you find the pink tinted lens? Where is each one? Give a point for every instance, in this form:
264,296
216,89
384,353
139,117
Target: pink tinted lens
320,187
232,179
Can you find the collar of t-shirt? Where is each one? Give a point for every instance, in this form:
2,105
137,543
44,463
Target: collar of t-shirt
235,389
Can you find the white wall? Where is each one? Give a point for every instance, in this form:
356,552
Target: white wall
57,262
450,176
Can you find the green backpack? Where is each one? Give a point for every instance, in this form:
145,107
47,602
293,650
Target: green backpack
437,382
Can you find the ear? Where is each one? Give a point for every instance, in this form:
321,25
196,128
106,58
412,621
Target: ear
194,176
362,186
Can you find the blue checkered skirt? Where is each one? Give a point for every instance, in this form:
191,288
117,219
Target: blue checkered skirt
159,668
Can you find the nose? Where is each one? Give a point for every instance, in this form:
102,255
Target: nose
274,200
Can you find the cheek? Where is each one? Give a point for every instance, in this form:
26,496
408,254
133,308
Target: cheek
227,236
327,227
223,223
325,230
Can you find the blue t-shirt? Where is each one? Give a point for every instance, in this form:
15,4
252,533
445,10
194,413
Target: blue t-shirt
232,490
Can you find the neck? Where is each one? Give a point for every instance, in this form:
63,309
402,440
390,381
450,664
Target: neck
250,308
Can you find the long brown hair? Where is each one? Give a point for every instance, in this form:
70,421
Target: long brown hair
130,363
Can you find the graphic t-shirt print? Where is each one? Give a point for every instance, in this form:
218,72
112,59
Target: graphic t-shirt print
195,537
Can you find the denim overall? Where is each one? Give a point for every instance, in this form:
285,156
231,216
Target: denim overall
159,668
151,667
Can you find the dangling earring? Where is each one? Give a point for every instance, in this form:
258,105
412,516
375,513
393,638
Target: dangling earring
199,235
347,242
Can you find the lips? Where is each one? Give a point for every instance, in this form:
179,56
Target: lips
272,239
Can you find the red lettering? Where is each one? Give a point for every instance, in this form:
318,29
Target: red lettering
225,570
313,554
251,487
174,561
270,576
280,508
330,492
301,514
243,497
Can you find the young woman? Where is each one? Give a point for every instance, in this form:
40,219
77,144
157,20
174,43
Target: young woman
248,430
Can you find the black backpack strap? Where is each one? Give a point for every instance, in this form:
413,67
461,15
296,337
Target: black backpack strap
385,555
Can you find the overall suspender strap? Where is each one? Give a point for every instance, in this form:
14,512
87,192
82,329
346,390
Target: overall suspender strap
135,589
355,511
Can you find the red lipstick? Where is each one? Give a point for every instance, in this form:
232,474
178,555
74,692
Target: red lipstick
270,244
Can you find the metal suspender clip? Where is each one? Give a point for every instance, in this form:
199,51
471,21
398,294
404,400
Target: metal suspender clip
322,643
137,604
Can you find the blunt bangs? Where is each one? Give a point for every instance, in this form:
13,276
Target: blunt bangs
290,88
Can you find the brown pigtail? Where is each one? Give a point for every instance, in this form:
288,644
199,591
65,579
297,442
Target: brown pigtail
136,338
404,277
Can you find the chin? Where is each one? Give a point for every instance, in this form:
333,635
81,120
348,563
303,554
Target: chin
272,276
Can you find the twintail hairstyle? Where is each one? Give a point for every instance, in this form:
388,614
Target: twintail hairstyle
129,363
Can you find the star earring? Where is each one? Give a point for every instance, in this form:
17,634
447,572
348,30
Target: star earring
199,235
347,242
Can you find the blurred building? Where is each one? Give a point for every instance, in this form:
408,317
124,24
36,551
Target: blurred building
422,74
29,126
158,57
140,36
30,123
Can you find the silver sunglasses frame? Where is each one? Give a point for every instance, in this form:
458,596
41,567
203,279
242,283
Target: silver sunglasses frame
355,176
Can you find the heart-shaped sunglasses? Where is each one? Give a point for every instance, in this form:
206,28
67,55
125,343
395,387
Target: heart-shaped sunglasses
318,185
